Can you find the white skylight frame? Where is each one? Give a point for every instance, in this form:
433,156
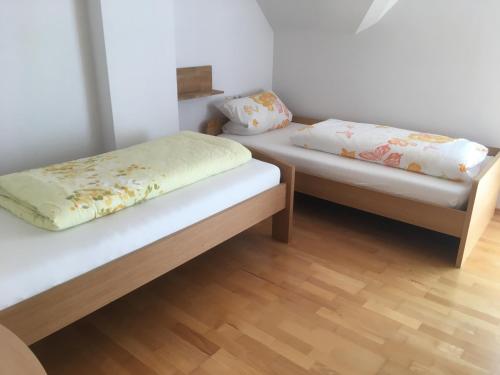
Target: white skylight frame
377,11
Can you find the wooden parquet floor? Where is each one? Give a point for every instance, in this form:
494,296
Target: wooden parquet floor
352,294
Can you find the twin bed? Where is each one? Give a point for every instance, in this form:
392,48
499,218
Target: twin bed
50,279
462,210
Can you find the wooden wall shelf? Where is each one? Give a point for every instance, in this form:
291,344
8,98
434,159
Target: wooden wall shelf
195,82
194,95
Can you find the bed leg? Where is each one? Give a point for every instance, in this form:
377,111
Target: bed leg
283,225
283,220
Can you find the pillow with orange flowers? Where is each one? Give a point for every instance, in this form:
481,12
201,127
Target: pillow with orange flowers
256,114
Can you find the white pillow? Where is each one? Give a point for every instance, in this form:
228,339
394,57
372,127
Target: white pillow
239,129
256,114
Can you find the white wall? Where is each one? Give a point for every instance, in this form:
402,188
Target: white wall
231,35
47,109
78,78
429,64
140,56
81,77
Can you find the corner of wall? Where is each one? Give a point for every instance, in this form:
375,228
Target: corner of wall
136,81
101,68
235,38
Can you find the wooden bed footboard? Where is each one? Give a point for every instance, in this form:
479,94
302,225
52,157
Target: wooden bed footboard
481,207
39,316
283,220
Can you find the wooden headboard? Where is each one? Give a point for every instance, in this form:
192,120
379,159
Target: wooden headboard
214,126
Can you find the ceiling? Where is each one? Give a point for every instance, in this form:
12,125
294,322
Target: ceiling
344,16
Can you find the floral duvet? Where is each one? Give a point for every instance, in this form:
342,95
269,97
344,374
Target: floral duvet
431,154
68,194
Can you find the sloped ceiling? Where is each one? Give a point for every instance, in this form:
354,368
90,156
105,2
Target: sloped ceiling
344,16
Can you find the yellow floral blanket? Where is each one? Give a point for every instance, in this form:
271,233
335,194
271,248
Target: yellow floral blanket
68,194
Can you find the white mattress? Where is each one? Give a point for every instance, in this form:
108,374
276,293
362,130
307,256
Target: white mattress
33,260
357,172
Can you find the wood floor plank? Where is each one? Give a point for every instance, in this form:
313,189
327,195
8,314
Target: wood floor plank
351,294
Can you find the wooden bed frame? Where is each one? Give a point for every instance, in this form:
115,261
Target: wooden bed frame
48,312
467,225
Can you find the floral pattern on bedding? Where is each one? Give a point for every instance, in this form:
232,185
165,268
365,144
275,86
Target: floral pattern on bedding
103,183
68,194
425,153
256,114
